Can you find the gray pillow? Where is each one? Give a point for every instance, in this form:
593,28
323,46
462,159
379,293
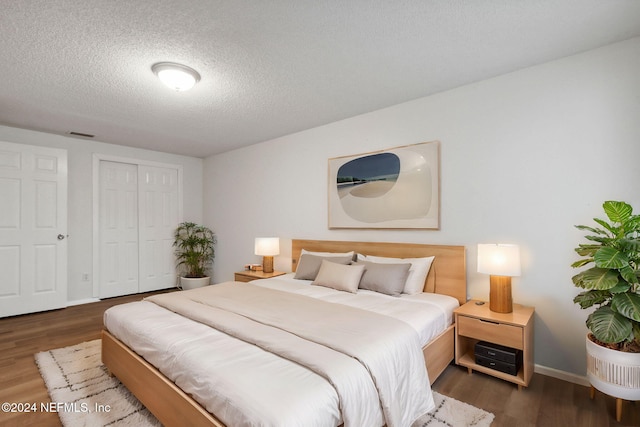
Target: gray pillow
309,265
384,278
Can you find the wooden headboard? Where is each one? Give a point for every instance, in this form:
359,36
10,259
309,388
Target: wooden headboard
447,276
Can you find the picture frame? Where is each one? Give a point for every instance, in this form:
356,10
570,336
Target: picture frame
396,188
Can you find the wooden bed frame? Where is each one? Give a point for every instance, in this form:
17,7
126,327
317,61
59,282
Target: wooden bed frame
173,407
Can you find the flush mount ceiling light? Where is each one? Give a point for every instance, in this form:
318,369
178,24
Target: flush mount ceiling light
176,76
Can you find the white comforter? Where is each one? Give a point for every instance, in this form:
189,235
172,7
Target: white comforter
245,385
429,314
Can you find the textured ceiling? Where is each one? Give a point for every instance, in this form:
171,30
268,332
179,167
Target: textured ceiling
269,68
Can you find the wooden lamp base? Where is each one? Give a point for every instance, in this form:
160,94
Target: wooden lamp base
267,264
500,299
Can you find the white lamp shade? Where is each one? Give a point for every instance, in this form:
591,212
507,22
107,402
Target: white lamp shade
499,259
267,246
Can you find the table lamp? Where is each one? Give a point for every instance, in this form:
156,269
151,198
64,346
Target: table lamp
501,262
267,247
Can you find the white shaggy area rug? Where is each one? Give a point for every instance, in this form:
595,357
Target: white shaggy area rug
86,395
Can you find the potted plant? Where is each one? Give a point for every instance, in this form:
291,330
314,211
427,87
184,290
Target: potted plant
612,285
194,253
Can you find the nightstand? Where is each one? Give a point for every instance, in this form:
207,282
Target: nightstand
247,276
515,330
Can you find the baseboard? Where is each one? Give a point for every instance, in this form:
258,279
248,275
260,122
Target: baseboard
82,301
562,375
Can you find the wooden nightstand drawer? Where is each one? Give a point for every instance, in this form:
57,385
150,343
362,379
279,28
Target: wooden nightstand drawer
243,278
248,276
499,333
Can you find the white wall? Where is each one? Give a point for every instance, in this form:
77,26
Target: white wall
525,156
80,225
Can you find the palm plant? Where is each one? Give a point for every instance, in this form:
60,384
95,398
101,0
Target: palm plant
194,248
613,283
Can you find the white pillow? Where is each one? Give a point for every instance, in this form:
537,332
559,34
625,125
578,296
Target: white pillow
326,254
417,273
338,276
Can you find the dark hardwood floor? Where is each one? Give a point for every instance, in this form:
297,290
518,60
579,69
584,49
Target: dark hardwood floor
23,336
547,402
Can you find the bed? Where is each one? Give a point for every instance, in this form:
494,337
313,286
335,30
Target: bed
172,406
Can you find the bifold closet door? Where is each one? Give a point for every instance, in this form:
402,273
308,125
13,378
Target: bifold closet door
118,228
158,218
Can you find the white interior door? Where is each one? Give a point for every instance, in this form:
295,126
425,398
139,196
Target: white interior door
33,228
118,228
158,214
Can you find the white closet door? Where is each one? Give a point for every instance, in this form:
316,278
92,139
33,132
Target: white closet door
33,228
118,228
159,217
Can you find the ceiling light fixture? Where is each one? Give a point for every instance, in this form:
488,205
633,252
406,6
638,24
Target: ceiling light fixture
176,76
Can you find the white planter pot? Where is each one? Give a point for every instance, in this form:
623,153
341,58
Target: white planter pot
187,283
613,372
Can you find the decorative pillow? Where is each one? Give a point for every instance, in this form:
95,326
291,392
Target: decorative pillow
309,265
338,276
384,278
328,254
417,273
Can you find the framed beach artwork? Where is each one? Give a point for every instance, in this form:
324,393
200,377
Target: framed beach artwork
394,188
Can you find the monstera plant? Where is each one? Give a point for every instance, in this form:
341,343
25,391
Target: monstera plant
612,282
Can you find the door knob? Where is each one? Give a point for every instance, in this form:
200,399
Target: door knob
61,236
